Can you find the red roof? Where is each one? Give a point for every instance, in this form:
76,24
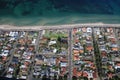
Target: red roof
85,74
95,74
74,71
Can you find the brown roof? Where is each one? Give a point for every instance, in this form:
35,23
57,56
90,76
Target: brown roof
76,58
74,71
118,64
76,51
85,74
89,48
115,49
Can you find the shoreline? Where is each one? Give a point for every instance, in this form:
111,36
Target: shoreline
67,26
55,20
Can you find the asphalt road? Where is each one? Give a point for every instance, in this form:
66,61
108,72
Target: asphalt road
10,58
70,38
30,77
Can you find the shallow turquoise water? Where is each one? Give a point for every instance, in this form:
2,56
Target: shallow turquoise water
60,19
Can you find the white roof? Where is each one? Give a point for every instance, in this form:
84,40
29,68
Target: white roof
6,51
117,67
36,73
114,45
34,40
12,38
63,64
11,33
4,54
100,36
23,77
55,50
11,69
52,42
22,66
90,75
89,29
9,75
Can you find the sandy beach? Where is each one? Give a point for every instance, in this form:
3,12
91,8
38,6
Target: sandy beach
67,26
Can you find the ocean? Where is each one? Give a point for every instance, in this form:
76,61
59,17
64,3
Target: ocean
59,19
57,12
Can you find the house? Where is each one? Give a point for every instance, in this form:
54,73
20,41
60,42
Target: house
95,75
4,54
52,42
89,46
112,39
90,75
31,48
79,73
17,54
1,66
110,30
76,57
26,55
22,48
63,71
64,40
89,30
81,50
102,48
63,64
84,29
54,50
88,38
63,59
76,52
100,37
22,41
76,46
110,67
15,60
43,41
85,74
74,31
117,65
9,75
110,75
79,29
74,71
23,76
114,47
34,40
51,61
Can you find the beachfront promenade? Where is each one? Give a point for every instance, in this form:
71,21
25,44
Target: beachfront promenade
68,26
